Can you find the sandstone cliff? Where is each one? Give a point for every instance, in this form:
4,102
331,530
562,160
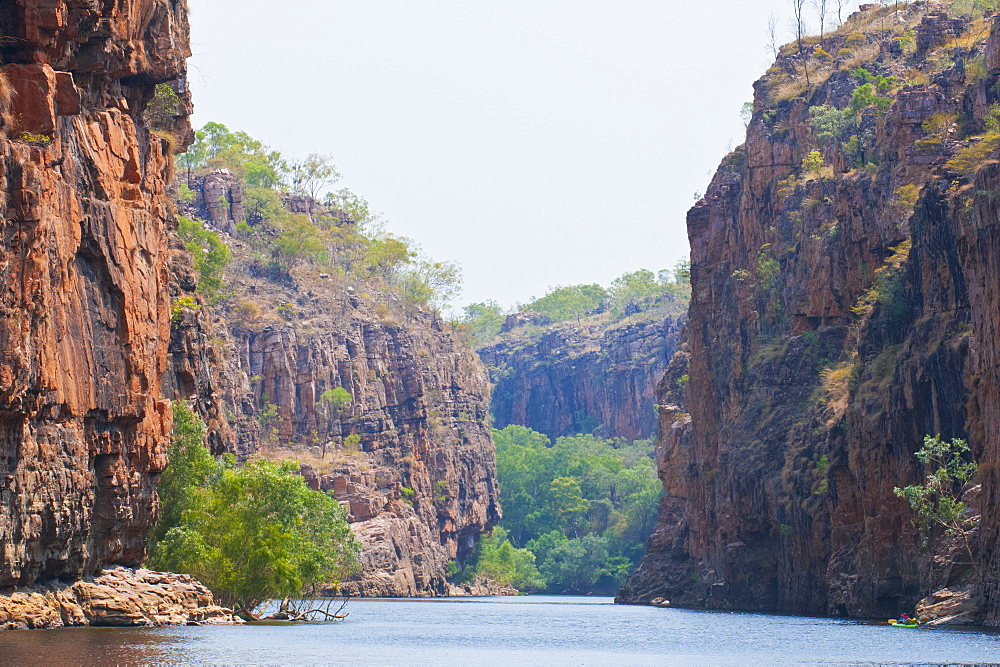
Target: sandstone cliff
574,377
843,307
409,452
84,312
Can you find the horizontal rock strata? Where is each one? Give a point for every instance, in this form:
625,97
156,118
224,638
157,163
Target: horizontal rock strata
117,596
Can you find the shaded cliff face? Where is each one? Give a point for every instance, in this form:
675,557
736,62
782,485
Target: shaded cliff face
591,376
836,319
83,265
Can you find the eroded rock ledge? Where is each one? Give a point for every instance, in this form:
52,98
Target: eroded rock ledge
117,596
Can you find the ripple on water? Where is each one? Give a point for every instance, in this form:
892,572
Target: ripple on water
512,630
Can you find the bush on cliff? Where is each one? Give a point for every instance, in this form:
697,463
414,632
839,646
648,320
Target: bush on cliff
938,500
210,254
251,533
339,234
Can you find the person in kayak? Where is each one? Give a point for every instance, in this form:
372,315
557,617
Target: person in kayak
906,619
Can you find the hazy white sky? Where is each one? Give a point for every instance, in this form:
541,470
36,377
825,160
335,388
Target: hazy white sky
535,142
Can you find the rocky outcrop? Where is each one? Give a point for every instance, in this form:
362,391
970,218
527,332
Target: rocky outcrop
574,377
836,319
84,312
409,452
117,596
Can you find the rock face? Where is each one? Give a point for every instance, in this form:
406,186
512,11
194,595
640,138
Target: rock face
409,452
117,596
836,319
84,312
92,275
581,377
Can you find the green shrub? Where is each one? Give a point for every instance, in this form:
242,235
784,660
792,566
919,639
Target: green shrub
813,163
938,500
250,533
164,107
969,159
211,255
499,561
179,304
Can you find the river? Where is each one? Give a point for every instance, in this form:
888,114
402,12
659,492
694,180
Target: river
513,631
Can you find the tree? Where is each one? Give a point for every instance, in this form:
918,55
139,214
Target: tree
581,486
211,256
682,271
195,155
575,565
250,533
772,35
633,288
485,318
351,207
566,303
217,146
821,10
499,561
832,124
427,282
840,10
939,499
798,9
309,176
263,205
299,239
337,399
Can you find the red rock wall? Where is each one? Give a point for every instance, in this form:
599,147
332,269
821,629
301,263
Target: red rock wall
83,266
420,403
778,498
587,377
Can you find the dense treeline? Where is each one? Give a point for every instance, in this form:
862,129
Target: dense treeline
576,512
341,235
664,293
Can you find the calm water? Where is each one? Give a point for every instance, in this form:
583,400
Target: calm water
522,631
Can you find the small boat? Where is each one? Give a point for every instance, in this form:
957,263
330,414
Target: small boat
912,623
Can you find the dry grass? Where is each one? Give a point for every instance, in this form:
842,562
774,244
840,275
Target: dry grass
861,55
882,18
334,460
173,145
787,88
6,94
835,390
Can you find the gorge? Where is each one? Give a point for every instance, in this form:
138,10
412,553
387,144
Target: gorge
843,306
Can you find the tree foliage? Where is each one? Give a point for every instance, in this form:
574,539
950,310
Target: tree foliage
250,533
501,562
485,319
568,303
310,175
342,236
210,254
939,499
583,506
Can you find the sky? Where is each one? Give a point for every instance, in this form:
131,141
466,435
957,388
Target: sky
536,143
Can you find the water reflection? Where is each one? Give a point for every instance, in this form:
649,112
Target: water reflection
516,631
87,646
